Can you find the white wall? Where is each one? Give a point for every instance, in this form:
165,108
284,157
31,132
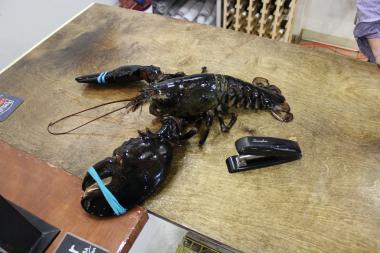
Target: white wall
23,23
333,17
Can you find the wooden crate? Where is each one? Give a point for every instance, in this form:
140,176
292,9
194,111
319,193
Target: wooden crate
265,18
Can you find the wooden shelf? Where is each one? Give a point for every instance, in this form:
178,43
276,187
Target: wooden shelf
265,18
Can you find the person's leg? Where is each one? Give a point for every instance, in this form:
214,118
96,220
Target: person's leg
374,43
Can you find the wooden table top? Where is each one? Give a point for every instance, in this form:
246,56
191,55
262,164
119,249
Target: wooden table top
53,195
326,202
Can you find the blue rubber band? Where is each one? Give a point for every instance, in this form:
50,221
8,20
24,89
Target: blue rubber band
112,201
99,78
104,77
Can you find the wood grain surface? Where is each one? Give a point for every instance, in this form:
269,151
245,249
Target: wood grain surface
327,202
54,196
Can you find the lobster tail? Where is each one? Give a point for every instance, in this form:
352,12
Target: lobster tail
260,95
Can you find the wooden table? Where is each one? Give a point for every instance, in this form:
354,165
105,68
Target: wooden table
327,202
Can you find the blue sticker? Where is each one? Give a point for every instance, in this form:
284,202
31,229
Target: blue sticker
8,104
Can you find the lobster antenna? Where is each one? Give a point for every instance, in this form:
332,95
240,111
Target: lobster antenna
131,103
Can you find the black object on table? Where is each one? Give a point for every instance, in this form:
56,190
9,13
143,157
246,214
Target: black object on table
259,152
21,231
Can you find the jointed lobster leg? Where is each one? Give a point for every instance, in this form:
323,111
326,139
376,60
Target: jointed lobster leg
170,76
209,118
223,127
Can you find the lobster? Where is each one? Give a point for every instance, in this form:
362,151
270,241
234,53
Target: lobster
198,98
184,104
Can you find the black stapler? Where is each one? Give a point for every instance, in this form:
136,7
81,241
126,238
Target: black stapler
259,152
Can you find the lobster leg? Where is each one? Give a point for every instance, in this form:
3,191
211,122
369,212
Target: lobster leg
173,130
209,120
178,74
188,134
170,76
182,134
223,127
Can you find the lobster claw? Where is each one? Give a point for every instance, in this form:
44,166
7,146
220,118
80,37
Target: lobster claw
259,152
137,169
94,203
93,200
104,169
93,78
123,75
